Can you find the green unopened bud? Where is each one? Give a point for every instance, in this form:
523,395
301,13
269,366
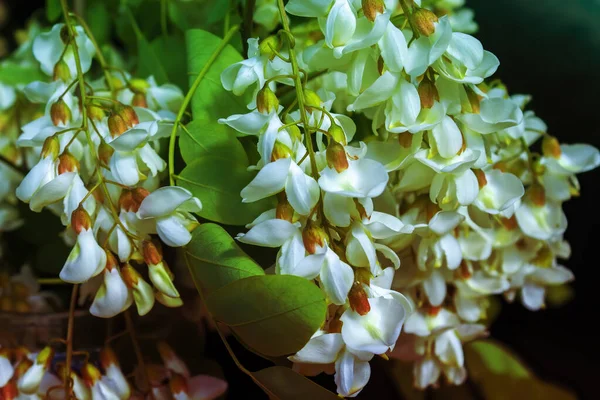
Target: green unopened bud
61,71
95,112
428,93
117,84
293,129
337,133
311,99
266,100
336,156
268,45
280,150
60,113
138,86
424,21
372,8
105,152
313,236
67,163
551,147
51,148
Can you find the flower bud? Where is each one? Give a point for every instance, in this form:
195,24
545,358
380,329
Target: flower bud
105,152
336,156
537,194
405,139
152,253
139,86
61,71
280,151
267,46
311,99
30,381
9,391
362,212
90,374
284,209
424,21
481,179
313,236
544,258
510,224
337,133
142,291
294,132
60,113
162,278
428,93
67,163
51,147
21,367
433,311
551,147
171,360
95,112
139,194
116,125
139,100
80,220
171,302
474,100
129,115
371,8
108,357
359,301
178,385
111,261
266,100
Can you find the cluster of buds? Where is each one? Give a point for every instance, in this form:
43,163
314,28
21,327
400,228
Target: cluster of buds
446,190
93,160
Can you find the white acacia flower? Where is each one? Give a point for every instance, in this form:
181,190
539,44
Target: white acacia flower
113,296
171,207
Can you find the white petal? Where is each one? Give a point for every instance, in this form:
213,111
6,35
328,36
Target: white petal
435,288
322,349
172,232
351,374
271,233
448,137
270,180
302,190
112,297
163,201
87,259
337,278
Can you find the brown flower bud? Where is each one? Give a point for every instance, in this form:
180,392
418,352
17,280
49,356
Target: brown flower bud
359,301
60,113
537,194
405,139
116,125
280,150
67,163
336,156
284,209
152,253
372,8
424,21
105,152
80,220
481,179
139,100
313,236
428,93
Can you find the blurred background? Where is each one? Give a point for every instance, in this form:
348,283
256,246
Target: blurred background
551,50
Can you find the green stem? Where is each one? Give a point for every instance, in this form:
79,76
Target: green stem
409,17
188,99
299,89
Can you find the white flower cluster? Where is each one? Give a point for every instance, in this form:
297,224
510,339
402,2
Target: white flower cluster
26,375
445,190
94,161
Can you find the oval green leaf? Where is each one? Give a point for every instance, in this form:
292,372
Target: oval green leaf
217,182
283,383
211,100
209,138
214,259
274,315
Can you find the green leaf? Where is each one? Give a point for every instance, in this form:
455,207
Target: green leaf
215,259
211,100
53,10
209,138
15,74
283,383
172,55
501,375
149,62
274,315
99,21
217,182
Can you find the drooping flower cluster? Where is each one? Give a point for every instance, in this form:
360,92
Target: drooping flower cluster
24,374
93,158
442,186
